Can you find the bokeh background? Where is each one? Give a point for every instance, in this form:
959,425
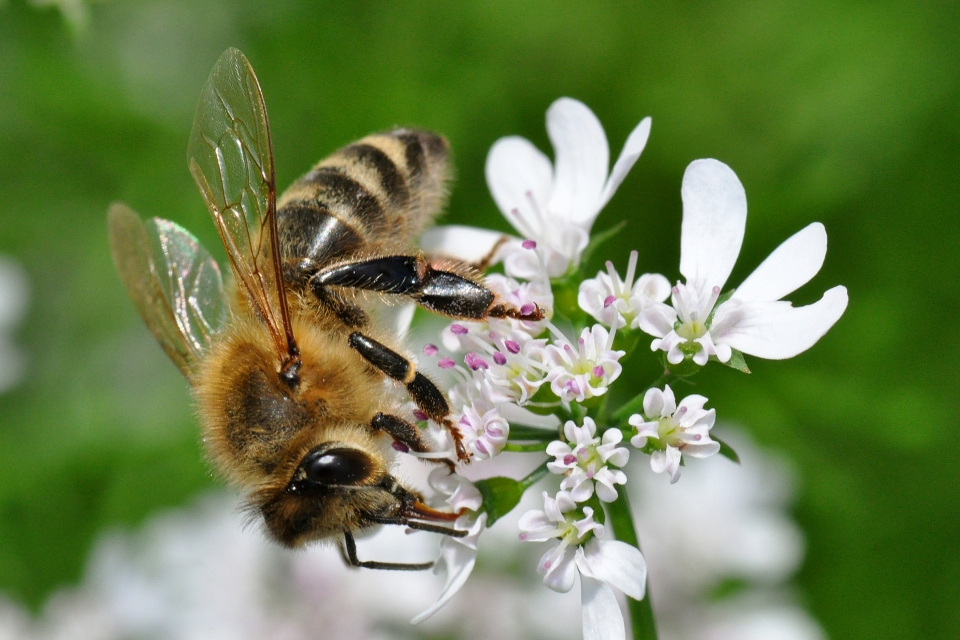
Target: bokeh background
842,112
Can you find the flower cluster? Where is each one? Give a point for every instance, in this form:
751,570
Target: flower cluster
545,386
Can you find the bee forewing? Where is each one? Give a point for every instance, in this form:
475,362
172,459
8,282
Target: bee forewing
232,162
174,282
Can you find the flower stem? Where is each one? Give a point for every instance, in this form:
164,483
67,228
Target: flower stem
532,446
641,612
534,476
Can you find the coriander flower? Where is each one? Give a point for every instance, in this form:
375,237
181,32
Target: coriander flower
754,320
484,430
457,555
585,460
553,205
602,564
675,430
611,300
584,373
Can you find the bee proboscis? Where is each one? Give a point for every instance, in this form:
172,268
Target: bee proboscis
286,363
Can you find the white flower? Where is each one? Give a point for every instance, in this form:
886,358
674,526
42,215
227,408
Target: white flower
584,373
611,300
677,430
602,564
484,430
457,555
554,205
754,320
585,460
517,370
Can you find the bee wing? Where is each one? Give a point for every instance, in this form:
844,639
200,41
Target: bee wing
173,281
231,159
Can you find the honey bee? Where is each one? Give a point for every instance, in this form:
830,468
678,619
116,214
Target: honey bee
287,364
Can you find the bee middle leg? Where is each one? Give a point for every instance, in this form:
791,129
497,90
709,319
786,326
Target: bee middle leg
445,287
422,390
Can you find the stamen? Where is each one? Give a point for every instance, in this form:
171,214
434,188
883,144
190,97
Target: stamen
446,363
609,300
399,446
598,371
430,350
681,304
569,459
528,308
475,362
712,300
420,415
499,358
614,278
529,244
458,329
631,269
511,346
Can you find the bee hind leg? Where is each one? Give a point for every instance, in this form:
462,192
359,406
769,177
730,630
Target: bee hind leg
422,390
446,287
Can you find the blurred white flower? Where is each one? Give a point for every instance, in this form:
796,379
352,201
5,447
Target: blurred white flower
198,572
14,294
611,300
754,320
554,205
677,430
457,555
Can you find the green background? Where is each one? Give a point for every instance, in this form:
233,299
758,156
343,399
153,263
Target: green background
841,112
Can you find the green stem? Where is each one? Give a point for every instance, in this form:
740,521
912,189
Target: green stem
641,612
533,446
635,404
534,476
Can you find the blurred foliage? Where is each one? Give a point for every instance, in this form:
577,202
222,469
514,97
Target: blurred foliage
842,112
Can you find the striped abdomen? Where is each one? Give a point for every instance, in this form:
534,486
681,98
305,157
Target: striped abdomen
372,197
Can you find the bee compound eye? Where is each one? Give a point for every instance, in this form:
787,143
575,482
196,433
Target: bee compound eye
337,466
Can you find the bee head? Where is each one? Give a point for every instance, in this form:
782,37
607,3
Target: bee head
336,486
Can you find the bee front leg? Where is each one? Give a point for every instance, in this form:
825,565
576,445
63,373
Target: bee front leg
443,286
422,390
349,551
401,431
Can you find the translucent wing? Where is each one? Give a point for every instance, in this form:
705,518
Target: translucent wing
173,281
231,159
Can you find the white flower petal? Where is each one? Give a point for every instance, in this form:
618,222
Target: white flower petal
775,330
653,403
458,560
632,149
602,618
559,568
714,218
520,179
616,563
657,319
789,267
469,244
582,160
